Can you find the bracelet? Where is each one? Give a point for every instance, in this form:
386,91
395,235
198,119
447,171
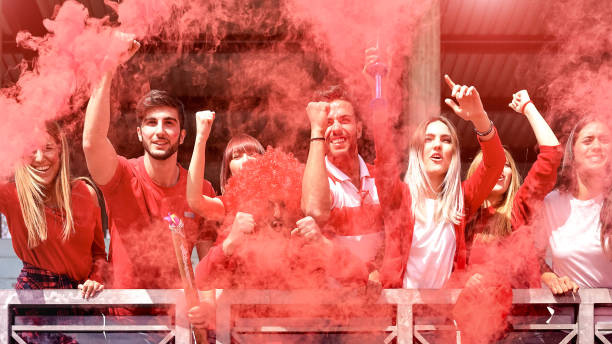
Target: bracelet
485,133
525,105
317,139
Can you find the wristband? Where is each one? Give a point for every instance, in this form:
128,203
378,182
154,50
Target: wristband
317,139
485,133
525,105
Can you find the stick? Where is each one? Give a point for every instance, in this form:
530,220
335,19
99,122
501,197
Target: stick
183,258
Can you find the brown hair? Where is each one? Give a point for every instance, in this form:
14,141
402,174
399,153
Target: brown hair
337,92
501,224
155,99
239,143
567,181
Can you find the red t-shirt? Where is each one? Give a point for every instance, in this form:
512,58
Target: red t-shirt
141,250
76,256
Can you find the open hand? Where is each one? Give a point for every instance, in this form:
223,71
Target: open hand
469,105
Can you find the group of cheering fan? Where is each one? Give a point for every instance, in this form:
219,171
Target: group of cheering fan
334,222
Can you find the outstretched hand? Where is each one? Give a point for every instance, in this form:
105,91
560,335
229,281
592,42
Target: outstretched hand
468,105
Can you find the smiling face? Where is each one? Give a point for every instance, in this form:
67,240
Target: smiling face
438,150
592,150
45,161
160,132
343,130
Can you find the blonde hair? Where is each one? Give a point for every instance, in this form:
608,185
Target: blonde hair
450,207
501,223
31,194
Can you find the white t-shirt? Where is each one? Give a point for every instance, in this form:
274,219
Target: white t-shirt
357,205
432,252
572,232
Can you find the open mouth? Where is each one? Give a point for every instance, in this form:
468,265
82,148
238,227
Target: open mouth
436,157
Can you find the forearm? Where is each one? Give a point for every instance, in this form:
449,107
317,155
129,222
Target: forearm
100,154
208,207
316,199
97,115
482,124
541,129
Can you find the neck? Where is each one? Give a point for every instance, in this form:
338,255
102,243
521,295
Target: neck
494,200
164,173
349,164
588,187
436,186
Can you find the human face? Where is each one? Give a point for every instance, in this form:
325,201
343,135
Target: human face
160,132
592,150
503,182
45,161
437,150
238,159
343,130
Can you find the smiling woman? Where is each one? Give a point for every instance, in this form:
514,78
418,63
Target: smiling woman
54,222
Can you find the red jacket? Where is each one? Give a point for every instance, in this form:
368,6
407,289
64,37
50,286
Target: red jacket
399,220
538,183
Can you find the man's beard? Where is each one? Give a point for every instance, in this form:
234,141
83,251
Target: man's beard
161,155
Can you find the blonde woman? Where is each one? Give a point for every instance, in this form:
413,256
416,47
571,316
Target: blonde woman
54,222
425,216
511,205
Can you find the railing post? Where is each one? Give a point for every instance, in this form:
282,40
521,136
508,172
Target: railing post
182,325
223,319
4,316
404,323
586,320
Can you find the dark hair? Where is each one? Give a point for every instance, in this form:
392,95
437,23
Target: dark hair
241,143
337,92
567,179
157,98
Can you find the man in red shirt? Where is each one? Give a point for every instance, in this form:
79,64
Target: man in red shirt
141,192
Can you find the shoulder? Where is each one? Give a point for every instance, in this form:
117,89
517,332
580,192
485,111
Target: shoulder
555,197
84,191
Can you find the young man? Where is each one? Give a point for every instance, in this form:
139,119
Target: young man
338,187
141,192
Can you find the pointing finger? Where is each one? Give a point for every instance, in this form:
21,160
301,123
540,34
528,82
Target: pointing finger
449,81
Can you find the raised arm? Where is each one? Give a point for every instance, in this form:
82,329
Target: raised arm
521,103
316,195
99,152
469,107
208,207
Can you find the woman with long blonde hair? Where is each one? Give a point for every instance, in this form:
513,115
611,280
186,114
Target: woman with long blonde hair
425,216
54,221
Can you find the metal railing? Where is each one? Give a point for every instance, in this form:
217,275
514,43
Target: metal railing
402,326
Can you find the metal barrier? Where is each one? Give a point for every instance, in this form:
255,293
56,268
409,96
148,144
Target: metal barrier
177,327
402,328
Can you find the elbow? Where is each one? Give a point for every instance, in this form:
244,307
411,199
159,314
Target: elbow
319,215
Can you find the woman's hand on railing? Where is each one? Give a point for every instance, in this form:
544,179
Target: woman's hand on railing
559,285
90,288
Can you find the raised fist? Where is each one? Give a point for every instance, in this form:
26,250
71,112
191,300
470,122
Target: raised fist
317,114
204,121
